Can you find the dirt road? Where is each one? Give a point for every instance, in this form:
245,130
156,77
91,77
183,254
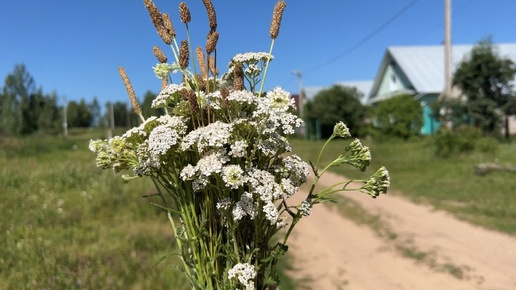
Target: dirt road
426,249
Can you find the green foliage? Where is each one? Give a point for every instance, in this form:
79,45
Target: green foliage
464,139
338,103
485,80
67,225
25,109
146,107
400,117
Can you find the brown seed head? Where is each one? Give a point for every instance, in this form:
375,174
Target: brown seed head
238,77
183,55
158,53
212,17
200,82
202,64
276,18
130,91
168,25
192,99
213,65
224,93
154,14
184,13
211,41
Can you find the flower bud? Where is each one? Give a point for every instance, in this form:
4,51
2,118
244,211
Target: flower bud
341,130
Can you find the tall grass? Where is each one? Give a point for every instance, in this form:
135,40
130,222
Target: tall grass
68,225
450,184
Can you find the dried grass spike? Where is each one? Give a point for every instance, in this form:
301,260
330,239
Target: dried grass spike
202,64
213,65
276,18
211,41
158,53
130,91
201,83
183,55
238,77
168,25
154,14
192,99
212,17
184,13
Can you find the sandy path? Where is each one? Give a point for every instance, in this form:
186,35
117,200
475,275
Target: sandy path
332,252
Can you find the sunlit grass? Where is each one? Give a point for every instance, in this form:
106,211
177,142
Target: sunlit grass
68,225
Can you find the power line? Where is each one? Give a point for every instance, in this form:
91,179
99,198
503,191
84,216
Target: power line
367,37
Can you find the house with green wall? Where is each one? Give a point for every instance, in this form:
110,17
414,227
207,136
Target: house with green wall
419,71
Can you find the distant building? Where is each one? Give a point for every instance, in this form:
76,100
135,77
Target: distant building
419,71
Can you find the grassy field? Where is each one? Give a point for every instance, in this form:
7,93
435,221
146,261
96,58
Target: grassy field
68,225
448,184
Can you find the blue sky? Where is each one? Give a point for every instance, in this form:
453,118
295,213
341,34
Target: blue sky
75,47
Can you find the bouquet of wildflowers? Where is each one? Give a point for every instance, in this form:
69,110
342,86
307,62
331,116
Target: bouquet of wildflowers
221,160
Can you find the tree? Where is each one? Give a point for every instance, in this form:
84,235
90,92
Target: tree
146,107
484,79
400,116
94,109
338,103
18,87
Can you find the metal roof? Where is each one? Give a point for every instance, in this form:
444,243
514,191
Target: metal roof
362,86
424,65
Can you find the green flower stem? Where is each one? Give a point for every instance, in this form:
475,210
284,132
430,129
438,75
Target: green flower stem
266,67
179,243
320,154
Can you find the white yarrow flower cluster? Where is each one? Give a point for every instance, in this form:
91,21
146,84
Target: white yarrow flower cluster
250,57
163,70
215,135
245,273
167,95
244,207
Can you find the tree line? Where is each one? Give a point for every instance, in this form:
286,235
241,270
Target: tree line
25,109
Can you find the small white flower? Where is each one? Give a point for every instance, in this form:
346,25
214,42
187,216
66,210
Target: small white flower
161,139
245,206
188,172
211,163
224,204
233,176
167,95
271,212
245,273
305,208
238,149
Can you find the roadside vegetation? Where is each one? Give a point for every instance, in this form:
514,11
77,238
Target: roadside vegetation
446,183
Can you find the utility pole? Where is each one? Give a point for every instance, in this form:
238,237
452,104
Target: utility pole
447,49
65,121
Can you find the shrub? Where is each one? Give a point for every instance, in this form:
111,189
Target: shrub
464,139
399,117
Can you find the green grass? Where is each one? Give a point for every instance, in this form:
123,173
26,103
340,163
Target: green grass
69,225
448,184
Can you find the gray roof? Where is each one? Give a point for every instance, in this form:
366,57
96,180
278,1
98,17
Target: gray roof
424,65
362,86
